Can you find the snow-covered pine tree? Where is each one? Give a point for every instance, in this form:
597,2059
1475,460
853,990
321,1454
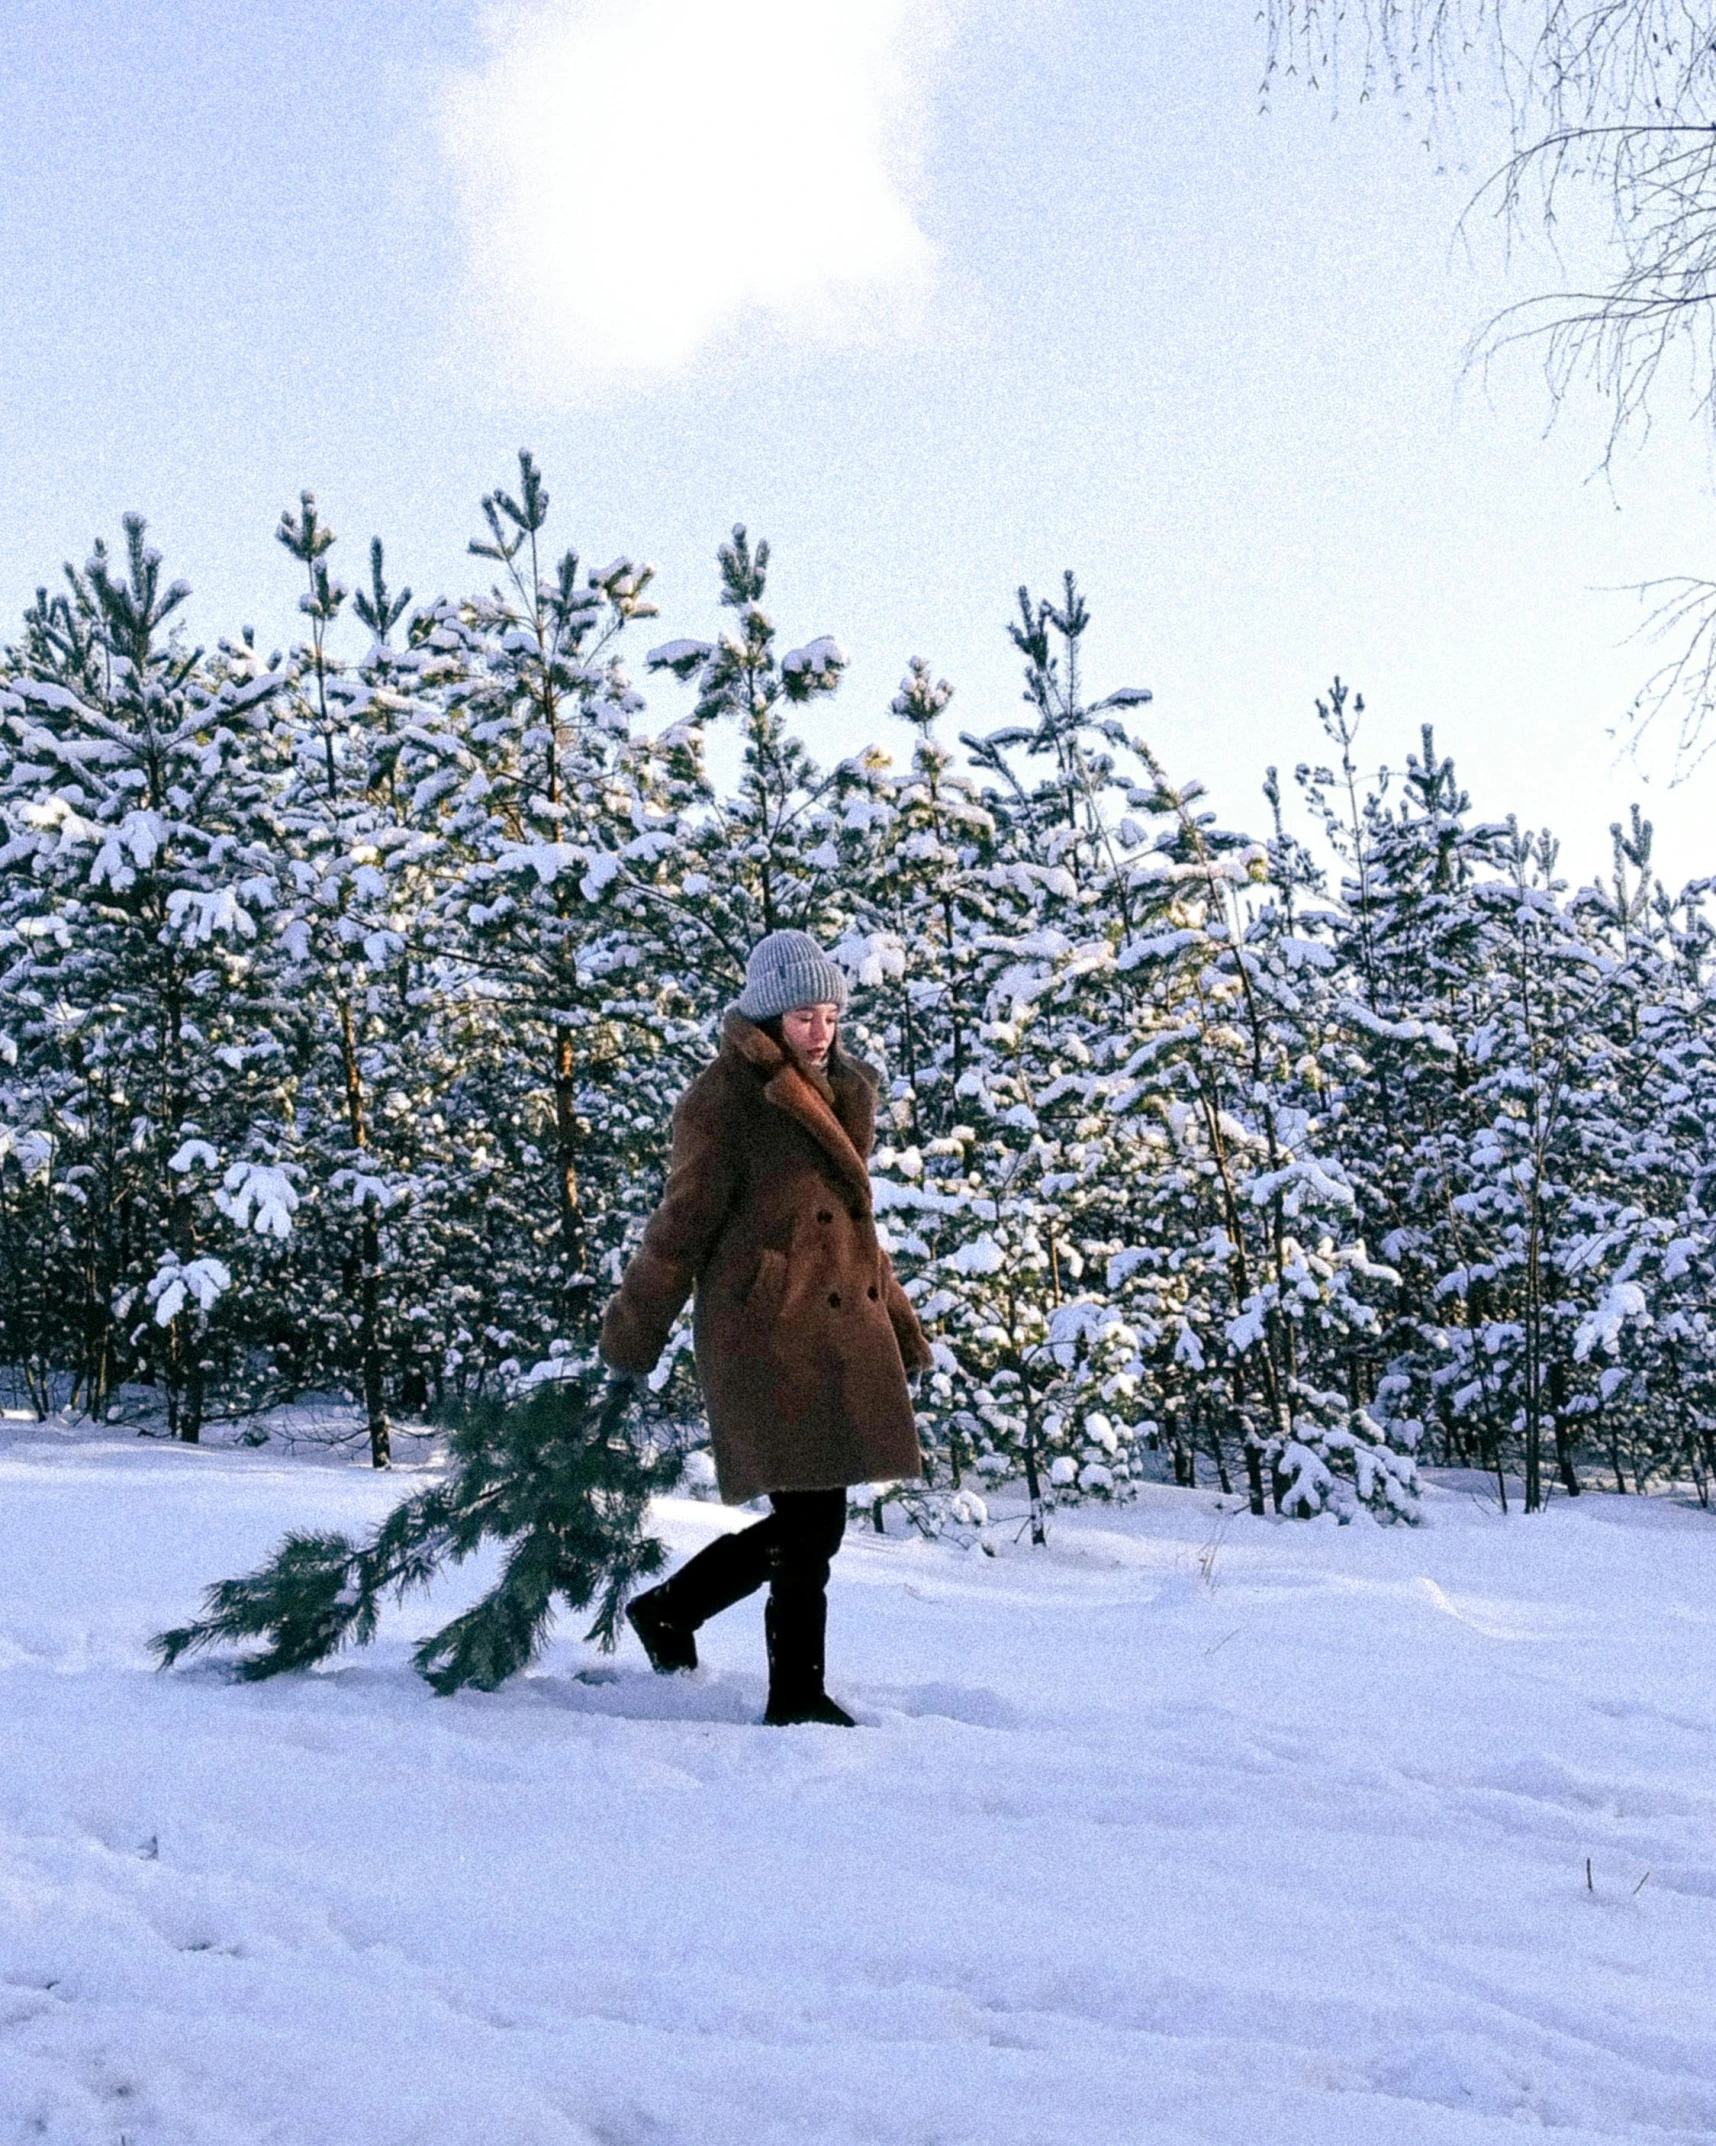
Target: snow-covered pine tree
1489,1093
1654,1408
33,1322
1246,1235
772,855
344,949
1414,950
1547,1085
537,801
1630,1360
927,886
928,891
396,697
1482,1088
1006,1211
139,862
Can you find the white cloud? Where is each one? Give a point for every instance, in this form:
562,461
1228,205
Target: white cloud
637,177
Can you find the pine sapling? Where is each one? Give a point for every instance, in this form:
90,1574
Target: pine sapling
555,1476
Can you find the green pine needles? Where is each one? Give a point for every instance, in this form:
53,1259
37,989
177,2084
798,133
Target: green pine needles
554,1476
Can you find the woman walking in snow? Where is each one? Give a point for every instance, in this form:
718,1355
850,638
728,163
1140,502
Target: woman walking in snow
803,1336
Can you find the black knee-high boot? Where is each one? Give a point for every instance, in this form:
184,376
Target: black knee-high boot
724,1572
811,1524
796,1626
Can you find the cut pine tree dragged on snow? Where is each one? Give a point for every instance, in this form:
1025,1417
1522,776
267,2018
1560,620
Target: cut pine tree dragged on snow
556,1476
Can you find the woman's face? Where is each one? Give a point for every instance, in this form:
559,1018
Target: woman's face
810,1030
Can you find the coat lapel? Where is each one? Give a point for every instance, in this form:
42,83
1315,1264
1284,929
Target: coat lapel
791,1092
788,1090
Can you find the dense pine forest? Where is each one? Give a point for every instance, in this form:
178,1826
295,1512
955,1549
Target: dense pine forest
343,1005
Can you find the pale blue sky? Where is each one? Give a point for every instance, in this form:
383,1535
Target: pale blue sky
936,309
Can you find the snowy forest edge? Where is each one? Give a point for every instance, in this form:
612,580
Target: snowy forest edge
343,1006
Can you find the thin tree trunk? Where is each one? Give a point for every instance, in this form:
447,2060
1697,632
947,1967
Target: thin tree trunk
1185,1455
374,1384
1254,1472
184,1408
1217,1453
573,1249
1534,1357
370,1371
1564,1441
196,1392
1034,1486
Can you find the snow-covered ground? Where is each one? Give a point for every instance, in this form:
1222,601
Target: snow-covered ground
1191,1827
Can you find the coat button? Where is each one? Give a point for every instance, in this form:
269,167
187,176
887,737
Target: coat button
857,1213
834,1298
823,1215
872,1295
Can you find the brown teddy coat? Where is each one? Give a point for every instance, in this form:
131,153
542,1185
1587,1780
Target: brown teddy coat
803,1335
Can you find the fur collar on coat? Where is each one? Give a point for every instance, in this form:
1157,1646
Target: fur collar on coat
836,1105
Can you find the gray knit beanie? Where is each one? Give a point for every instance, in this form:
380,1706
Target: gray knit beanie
787,970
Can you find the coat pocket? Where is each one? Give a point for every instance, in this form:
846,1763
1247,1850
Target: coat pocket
768,1287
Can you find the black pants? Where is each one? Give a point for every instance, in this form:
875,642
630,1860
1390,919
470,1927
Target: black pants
791,1549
